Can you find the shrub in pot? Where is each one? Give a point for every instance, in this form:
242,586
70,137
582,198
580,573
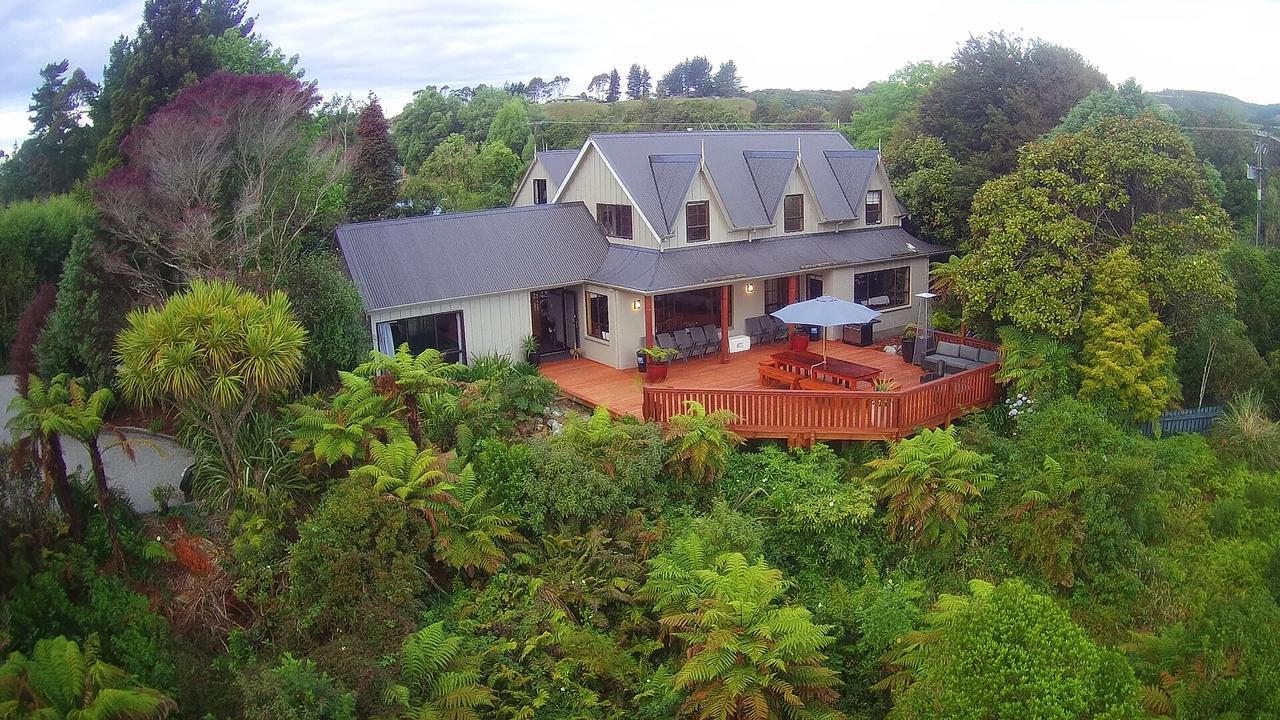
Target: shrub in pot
659,358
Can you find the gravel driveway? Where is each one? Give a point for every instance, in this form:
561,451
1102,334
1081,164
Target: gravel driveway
158,459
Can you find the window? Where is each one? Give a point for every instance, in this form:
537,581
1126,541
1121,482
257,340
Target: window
615,220
598,316
793,213
775,294
883,288
697,221
442,332
540,191
677,311
873,207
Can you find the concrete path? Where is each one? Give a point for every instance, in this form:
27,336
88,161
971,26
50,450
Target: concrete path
158,460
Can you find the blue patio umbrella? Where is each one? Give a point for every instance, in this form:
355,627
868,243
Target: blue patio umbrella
826,311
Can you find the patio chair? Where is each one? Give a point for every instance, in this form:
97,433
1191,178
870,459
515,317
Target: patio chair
713,337
684,342
665,340
755,329
700,344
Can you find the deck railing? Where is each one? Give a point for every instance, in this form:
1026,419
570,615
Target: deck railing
802,416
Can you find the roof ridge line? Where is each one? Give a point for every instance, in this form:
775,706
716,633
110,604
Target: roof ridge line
463,213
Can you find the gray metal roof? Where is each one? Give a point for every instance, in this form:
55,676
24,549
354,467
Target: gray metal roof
437,257
748,169
557,163
648,271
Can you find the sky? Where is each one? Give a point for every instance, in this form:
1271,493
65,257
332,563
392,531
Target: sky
392,47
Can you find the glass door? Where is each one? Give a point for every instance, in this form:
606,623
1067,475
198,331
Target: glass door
555,320
813,286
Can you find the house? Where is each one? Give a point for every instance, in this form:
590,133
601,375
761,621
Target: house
636,234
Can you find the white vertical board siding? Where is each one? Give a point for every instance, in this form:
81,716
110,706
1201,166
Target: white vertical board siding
493,324
603,351
524,193
593,182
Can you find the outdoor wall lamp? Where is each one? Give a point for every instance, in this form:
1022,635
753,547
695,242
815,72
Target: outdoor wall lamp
635,304
751,287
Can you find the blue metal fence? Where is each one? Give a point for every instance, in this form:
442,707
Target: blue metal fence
1176,422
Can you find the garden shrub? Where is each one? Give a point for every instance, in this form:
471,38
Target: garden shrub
295,689
329,307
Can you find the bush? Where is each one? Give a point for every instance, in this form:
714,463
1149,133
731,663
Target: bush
22,353
295,689
329,307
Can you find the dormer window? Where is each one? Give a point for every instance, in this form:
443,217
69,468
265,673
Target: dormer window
697,221
615,220
540,191
873,207
793,213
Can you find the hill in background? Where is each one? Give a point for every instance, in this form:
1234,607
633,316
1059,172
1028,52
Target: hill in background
1211,103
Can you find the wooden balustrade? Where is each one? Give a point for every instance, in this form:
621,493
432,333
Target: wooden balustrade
803,416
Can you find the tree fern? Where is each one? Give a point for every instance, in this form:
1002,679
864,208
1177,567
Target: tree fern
60,680
927,482
470,540
437,680
700,442
1038,366
342,429
418,477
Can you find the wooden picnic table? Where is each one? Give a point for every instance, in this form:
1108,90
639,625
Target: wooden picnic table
832,370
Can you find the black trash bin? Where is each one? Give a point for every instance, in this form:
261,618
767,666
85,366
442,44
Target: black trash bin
815,333
642,361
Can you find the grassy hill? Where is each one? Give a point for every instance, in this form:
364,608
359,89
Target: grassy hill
1214,103
591,110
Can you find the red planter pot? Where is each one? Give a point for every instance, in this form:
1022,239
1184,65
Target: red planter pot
655,372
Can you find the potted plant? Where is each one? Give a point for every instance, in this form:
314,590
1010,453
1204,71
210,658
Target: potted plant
530,346
655,370
909,343
800,337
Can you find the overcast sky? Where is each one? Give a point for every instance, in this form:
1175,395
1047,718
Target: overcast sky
393,47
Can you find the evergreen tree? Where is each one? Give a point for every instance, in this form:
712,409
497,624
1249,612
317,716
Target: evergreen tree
726,82
635,78
646,83
1127,362
373,168
615,86
174,48
58,155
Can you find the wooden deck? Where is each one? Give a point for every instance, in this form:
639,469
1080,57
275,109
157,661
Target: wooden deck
801,417
622,391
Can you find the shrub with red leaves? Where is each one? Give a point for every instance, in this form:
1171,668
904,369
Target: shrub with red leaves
22,353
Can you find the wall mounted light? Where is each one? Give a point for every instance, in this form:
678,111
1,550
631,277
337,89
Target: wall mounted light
751,287
635,305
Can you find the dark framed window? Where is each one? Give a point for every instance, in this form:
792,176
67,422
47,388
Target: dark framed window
442,331
775,294
793,213
697,221
873,207
883,288
615,220
539,191
677,311
598,316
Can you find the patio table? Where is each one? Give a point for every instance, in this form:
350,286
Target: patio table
833,370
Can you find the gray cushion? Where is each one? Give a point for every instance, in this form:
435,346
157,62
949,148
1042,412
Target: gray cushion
988,356
965,363
968,352
948,348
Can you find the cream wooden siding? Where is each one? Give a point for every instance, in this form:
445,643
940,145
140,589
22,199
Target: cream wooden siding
699,190
492,324
890,208
840,284
524,193
593,182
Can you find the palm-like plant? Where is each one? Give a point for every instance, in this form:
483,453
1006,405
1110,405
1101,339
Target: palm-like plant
437,680
911,651
213,352
700,442
746,657
36,418
928,482
411,379
419,478
342,430
470,540
1037,366
69,410
596,438
1048,529
61,681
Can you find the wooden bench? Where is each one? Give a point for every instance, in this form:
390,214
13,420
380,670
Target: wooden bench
812,384
770,372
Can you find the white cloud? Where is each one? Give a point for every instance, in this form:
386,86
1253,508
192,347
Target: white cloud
393,47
